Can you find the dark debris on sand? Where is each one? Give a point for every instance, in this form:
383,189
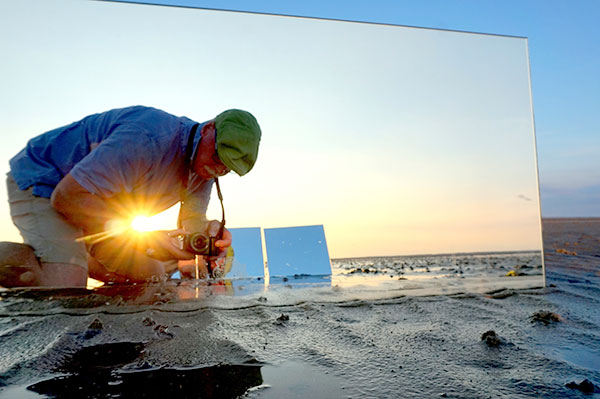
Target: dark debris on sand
163,332
585,386
281,320
364,270
501,293
93,329
491,339
545,317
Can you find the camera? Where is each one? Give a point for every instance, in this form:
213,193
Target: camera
199,244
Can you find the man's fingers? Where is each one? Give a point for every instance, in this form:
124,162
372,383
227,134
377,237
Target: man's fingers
163,246
213,228
225,241
176,233
188,271
187,268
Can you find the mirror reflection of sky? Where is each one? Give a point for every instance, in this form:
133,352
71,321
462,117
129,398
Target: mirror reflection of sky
248,260
297,250
562,37
398,140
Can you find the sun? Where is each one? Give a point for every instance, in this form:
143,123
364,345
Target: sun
143,223
166,220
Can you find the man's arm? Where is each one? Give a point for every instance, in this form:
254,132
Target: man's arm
80,207
192,214
91,212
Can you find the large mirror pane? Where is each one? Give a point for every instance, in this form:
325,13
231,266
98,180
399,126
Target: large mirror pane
400,141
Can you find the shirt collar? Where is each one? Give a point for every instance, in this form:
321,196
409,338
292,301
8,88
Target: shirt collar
196,142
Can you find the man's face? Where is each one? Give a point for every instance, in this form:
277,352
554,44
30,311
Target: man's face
207,163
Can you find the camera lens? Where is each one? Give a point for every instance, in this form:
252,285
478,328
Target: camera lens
199,243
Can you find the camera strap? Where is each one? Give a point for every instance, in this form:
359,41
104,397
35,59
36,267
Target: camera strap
222,227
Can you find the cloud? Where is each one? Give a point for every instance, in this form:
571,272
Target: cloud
524,197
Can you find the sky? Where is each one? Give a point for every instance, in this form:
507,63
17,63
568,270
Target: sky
564,48
398,140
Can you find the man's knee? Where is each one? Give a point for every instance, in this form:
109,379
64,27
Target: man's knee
13,253
19,267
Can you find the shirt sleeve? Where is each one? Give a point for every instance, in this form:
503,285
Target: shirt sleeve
118,164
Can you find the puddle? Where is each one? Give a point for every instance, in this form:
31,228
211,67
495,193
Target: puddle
294,380
290,380
221,381
117,370
579,355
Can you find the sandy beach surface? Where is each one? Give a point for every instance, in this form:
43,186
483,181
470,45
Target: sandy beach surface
452,326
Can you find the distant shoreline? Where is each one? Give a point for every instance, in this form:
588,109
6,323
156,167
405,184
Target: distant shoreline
443,254
571,219
545,220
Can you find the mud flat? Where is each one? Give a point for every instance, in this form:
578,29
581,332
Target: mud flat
293,341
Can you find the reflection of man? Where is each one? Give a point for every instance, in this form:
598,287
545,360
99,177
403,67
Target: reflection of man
76,180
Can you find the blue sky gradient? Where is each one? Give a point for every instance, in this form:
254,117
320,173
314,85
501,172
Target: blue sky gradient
564,48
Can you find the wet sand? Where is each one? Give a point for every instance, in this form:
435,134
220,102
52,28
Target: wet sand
321,341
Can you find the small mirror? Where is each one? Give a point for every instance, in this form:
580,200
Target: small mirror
297,251
248,259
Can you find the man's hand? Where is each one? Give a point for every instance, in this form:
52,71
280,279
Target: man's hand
224,242
164,245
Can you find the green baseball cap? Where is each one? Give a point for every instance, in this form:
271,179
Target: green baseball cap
238,136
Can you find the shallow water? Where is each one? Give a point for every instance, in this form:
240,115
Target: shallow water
321,338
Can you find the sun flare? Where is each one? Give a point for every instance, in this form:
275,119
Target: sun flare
143,223
166,220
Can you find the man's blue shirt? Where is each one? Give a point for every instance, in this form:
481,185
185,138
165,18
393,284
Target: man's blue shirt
135,152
